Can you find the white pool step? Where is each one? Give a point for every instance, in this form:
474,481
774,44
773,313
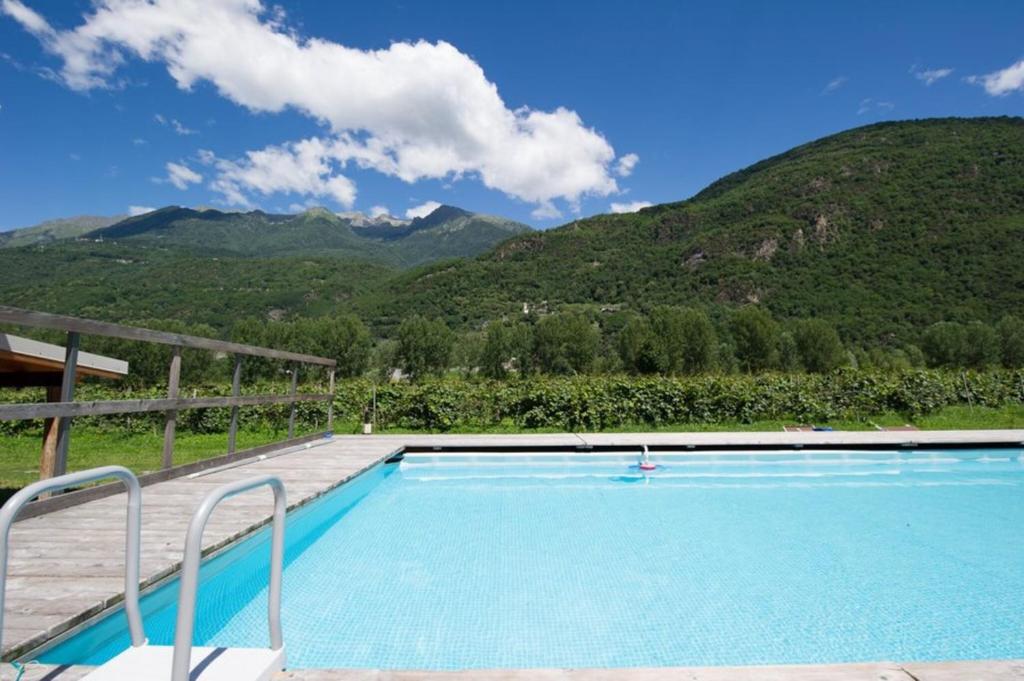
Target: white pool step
151,663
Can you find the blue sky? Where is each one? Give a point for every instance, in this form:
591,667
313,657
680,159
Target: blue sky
540,111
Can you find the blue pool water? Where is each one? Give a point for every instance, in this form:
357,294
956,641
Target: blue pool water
710,560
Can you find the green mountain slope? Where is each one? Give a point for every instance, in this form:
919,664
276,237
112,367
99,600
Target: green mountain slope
118,282
445,233
55,230
881,229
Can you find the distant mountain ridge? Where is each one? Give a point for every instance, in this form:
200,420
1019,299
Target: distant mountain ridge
448,232
55,230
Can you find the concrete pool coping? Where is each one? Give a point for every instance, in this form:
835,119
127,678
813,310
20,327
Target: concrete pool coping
54,591
972,670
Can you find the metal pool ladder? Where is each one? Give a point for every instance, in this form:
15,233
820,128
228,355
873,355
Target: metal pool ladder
180,662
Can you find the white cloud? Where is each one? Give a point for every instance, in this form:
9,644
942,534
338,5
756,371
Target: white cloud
180,175
139,210
30,20
834,84
139,142
181,129
630,207
1002,82
176,125
412,110
306,168
868,104
546,211
930,76
624,166
422,210
378,211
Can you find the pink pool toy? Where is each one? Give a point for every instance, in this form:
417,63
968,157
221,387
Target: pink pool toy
645,461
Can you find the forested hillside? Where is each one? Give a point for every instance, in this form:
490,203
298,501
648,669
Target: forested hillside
881,230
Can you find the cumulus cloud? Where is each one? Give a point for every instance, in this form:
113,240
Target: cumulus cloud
422,210
413,110
379,211
180,175
834,84
631,207
139,210
930,76
1002,82
624,166
306,167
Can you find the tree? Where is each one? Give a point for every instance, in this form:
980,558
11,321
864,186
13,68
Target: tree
789,354
149,363
755,336
506,348
344,338
687,339
945,344
982,347
565,343
638,347
424,346
1011,340
818,346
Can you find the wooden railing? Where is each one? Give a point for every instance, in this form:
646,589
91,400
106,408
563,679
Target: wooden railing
65,409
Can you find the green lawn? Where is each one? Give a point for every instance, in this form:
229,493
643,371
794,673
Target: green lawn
142,453
19,455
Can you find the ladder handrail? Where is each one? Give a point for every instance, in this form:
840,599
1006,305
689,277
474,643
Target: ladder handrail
133,532
193,556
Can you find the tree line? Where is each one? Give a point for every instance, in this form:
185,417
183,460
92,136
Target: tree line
668,341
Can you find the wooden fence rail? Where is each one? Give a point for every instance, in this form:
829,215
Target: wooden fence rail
65,408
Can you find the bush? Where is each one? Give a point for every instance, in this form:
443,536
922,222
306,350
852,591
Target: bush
582,402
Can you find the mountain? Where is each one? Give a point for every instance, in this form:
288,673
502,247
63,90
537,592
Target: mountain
55,230
881,229
210,266
447,232
130,281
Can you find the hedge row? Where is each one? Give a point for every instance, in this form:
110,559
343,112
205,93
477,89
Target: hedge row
592,402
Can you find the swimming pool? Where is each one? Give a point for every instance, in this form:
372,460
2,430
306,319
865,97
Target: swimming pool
450,561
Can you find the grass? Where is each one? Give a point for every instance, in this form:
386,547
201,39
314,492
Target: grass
141,452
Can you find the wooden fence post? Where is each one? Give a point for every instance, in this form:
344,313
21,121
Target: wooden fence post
295,387
236,390
67,394
330,403
173,380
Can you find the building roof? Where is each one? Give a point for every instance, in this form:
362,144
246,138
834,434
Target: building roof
25,362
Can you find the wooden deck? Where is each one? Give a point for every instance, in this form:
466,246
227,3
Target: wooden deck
67,566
